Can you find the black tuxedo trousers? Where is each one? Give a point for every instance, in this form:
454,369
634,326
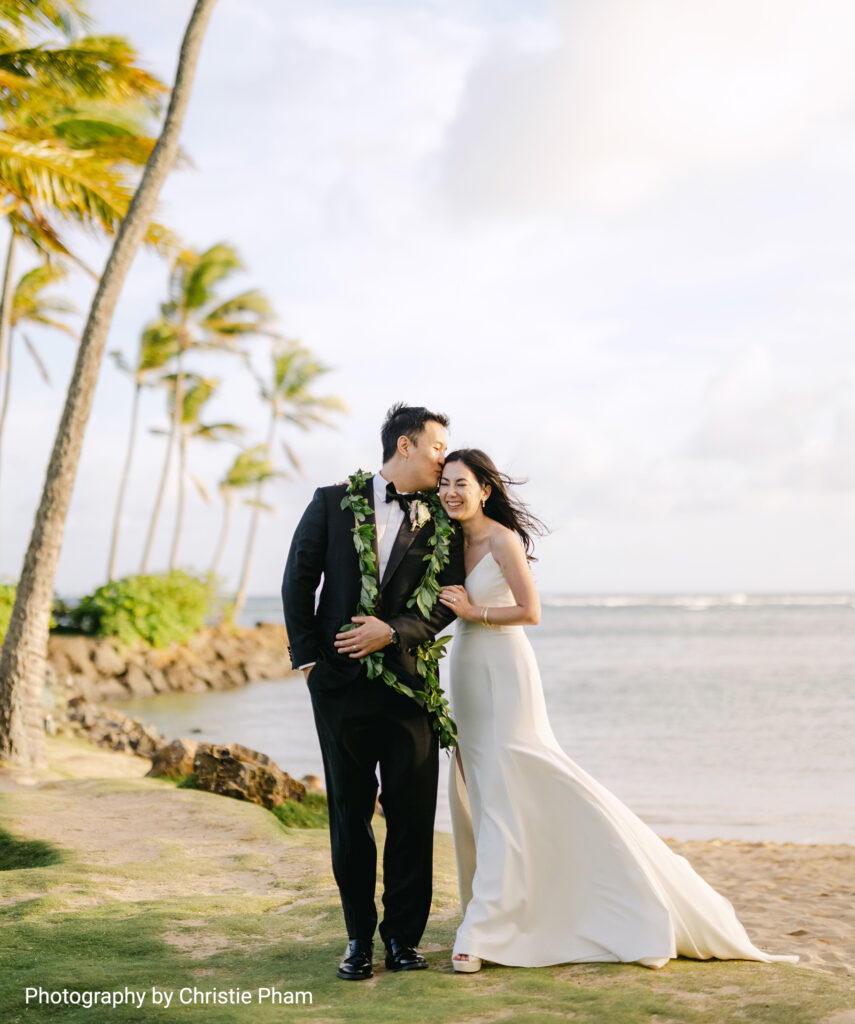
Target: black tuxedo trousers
362,724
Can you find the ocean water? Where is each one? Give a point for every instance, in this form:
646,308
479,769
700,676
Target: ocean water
710,716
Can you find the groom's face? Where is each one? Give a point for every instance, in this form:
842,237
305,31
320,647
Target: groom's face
426,455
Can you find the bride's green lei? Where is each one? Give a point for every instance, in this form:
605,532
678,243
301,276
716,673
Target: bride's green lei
424,597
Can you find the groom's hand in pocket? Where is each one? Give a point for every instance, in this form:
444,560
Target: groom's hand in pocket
370,634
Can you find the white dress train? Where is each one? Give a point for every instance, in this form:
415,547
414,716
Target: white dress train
552,867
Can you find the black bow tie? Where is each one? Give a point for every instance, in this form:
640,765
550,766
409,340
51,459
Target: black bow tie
393,494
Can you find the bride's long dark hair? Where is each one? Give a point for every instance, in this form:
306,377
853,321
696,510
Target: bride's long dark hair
501,506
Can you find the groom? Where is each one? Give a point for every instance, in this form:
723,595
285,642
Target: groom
362,722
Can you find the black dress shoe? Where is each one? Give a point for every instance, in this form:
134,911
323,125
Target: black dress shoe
356,965
403,958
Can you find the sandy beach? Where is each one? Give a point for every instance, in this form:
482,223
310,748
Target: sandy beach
791,897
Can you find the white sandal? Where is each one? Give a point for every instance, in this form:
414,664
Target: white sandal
468,966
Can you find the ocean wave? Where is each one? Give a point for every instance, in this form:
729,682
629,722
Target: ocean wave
699,602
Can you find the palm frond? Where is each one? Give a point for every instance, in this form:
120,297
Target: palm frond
27,15
48,179
200,487
37,359
249,467
111,141
159,344
57,325
100,66
196,395
225,317
163,240
217,431
291,456
254,503
200,272
118,357
34,281
39,233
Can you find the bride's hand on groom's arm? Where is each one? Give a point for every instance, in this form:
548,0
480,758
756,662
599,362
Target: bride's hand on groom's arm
371,634
457,600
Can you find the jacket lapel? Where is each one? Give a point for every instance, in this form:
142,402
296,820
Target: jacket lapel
402,544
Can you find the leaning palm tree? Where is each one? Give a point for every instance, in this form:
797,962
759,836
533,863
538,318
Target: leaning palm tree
289,394
195,397
155,351
249,469
197,319
22,660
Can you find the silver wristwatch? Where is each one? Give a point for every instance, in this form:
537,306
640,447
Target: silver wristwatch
393,635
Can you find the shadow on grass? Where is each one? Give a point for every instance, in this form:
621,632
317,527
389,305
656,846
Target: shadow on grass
26,853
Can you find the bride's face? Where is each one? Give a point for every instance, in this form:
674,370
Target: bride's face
459,491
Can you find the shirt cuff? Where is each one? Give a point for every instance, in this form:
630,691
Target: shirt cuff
307,665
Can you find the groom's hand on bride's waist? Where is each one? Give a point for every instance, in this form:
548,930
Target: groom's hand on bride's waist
370,634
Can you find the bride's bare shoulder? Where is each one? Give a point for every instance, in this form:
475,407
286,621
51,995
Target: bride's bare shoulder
504,543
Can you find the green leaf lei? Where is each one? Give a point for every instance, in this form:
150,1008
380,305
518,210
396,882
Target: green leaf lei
424,597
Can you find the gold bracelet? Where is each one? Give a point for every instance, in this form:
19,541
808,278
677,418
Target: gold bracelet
484,616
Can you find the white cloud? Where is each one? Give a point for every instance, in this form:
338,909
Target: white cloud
752,417
632,97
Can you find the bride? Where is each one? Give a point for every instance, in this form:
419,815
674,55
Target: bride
552,867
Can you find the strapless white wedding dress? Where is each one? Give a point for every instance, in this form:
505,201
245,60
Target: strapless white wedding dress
552,867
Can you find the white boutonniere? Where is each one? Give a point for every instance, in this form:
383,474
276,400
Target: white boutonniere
419,514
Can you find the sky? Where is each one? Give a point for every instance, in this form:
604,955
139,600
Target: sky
613,242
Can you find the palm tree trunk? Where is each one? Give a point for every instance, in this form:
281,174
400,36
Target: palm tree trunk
178,428
114,543
6,299
158,503
22,660
224,529
179,513
240,599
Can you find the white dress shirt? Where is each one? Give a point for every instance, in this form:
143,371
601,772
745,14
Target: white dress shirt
388,516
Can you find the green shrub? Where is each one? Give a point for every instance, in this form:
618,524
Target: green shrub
312,812
7,600
158,610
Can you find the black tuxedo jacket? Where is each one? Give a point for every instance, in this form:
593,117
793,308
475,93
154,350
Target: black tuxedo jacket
322,546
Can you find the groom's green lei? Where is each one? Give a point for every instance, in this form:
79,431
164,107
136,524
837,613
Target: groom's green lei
423,597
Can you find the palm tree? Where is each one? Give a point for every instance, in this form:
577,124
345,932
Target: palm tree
155,351
249,469
70,112
197,319
72,127
22,660
197,394
289,395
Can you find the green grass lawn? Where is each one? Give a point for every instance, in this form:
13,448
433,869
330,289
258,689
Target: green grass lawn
134,883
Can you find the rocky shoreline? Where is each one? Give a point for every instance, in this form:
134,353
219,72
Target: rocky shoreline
85,674
217,658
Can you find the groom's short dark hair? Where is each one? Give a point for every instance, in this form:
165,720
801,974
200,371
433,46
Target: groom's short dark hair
408,420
